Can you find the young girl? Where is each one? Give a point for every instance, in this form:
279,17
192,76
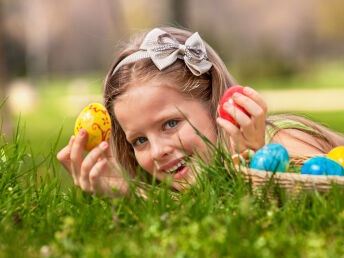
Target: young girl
161,82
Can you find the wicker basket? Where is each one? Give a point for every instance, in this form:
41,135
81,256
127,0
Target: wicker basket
292,180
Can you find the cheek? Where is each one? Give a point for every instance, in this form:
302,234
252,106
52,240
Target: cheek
189,138
145,161
211,134
192,142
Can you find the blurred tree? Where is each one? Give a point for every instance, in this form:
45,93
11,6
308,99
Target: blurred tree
13,38
3,71
36,43
330,19
5,117
328,28
179,12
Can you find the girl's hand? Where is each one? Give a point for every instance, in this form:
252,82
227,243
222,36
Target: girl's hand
251,133
97,172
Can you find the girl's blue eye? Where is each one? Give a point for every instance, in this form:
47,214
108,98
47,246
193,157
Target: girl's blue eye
170,124
140,141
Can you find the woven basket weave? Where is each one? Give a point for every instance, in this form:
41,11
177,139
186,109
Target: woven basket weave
292,180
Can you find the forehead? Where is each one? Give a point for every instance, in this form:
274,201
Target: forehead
151,88
145,96
146,103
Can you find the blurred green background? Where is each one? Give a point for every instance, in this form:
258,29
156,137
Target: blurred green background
54,54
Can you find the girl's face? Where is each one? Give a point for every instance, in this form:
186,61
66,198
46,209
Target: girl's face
151,115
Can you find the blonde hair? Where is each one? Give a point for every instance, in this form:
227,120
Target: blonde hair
208,88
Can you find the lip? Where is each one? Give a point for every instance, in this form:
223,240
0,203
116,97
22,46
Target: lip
170,164
181,174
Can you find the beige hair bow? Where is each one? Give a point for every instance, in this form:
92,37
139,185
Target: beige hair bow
164,49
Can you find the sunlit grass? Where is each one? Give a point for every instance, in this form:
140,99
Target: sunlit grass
43,214
318,76
220,216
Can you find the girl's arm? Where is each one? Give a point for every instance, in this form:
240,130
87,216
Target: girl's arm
298,142
98,172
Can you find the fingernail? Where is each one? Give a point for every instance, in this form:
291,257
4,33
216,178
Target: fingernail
82,132
236,95
248,90
103,145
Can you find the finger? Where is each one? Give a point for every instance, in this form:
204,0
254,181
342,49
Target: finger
240,117
258,114
63,156
108,151
237,140
77,153
253,108
233,131
252,130
256,97
112,162
90,161
101,183
230,128
95,175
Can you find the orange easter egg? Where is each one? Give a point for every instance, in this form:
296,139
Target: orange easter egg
96,121
337,154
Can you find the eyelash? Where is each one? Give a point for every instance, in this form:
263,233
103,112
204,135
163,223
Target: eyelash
135,143
173,120
136,140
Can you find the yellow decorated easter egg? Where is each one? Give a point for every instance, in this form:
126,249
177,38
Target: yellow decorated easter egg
337,154
96,121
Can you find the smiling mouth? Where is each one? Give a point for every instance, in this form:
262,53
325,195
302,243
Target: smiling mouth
177,167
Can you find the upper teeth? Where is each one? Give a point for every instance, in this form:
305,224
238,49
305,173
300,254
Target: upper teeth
174,168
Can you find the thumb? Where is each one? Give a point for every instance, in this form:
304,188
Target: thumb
63,155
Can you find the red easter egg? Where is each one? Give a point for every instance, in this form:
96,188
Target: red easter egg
225,98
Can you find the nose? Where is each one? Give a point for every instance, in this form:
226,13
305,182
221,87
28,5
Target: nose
160,148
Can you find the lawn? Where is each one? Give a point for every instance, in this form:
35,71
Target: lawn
321,75
43,214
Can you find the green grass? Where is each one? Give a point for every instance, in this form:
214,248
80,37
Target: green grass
40,215
321,75
333,120
56,109
43,214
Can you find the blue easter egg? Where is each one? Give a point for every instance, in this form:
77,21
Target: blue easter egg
272,157
322,166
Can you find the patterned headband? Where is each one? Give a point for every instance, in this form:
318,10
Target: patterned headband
164,49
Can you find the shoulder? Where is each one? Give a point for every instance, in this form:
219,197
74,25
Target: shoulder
298,142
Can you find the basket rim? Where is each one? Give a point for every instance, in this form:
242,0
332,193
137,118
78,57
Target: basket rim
294,177
307,155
